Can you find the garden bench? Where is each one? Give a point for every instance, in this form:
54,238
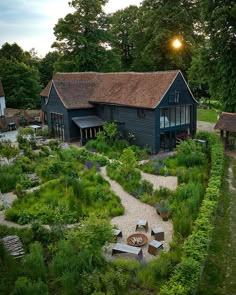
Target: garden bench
158,233
142,223
117,233
154,246
123,248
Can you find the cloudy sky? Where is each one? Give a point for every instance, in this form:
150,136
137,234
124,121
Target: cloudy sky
30,23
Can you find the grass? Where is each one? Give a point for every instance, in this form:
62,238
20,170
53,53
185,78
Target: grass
207,115
220,271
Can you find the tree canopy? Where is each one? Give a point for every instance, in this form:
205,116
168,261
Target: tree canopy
133,39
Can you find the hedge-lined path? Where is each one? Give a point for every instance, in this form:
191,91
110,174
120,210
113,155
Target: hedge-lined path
135,210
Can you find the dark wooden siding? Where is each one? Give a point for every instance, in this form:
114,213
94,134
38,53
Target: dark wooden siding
143,128
185,98
74,131
55,105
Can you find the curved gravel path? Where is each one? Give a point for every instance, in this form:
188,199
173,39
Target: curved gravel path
171,182
135,210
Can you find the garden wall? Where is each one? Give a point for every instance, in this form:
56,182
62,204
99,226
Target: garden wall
19,116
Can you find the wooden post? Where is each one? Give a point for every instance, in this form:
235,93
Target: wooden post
221,134
95,132
91,133
86,133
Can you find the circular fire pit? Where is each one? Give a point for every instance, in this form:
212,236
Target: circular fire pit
137,240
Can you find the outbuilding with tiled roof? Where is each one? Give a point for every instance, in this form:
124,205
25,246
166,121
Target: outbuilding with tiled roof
154,107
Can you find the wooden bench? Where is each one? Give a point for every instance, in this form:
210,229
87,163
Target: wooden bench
123,248
143,224
158,233
154,247
117,233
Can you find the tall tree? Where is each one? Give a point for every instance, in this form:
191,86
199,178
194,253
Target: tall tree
47,67
160,22
83,38
20,76
219,18
21,84
12,51
123,24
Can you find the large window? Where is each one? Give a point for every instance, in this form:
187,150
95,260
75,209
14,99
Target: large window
57,121
175,116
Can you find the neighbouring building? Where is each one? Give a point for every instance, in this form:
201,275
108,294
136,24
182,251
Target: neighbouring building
227,126
2,101
156,107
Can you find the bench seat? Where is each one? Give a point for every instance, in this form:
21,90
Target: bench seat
123,248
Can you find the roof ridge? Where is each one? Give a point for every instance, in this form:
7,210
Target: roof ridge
111,73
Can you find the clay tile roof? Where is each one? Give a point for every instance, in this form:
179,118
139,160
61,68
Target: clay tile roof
1,89
226,122
133,89
129,89
74,94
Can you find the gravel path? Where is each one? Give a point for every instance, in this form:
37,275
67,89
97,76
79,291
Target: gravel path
170,182
135,210
206,126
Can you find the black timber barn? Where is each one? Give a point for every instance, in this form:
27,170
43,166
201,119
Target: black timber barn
156,107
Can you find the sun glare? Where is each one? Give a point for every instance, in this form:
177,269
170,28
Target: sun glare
176,43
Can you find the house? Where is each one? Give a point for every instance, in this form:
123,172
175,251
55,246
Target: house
154,107
2,101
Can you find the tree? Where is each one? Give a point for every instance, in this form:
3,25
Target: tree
128,160
159,22
12,52
21,83
8,151
47,67
123,24
219,18
83,38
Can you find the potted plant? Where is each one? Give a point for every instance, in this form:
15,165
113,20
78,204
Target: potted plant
163,210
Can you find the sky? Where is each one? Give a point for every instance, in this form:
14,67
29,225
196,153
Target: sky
30,23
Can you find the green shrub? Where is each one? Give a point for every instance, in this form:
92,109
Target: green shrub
25,286
189,153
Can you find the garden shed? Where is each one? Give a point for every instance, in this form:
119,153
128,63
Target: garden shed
227,125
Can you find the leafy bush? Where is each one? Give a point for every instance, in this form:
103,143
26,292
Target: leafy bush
25,286
190,153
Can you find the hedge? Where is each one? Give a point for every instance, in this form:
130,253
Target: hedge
186,276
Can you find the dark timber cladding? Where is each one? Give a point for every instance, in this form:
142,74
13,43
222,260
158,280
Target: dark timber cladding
152,108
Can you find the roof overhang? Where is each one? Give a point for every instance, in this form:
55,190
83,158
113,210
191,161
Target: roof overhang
88,122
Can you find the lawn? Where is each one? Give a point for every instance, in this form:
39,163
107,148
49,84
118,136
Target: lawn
207,115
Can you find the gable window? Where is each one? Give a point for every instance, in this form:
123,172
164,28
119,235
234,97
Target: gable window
141,113
174,97
45,100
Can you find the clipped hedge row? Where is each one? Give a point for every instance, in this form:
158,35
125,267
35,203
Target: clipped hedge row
185,278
